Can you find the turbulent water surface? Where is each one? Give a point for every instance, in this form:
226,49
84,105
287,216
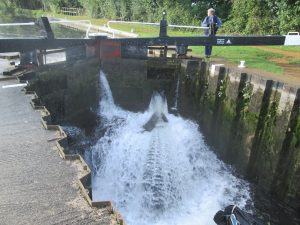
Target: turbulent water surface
166,175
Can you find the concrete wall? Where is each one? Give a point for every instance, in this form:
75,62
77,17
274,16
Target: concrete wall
68,90
252,123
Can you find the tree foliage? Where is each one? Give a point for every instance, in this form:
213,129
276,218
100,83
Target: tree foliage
251,17
263,17
247,17
16,7
288,15
55,5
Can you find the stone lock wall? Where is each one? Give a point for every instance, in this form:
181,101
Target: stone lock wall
252,123
68,90
133,81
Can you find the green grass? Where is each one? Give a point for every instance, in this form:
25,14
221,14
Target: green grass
36,13
287,48
142,30
151,30
296,61
255,58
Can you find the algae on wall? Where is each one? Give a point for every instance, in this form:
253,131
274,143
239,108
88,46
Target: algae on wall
240,131
264,153
220,115
241,117
286,181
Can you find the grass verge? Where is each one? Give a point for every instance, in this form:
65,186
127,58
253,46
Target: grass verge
287,48
255,58
296,61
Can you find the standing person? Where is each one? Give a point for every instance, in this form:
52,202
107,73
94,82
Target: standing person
209,21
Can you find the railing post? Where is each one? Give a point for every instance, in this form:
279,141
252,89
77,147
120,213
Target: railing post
163,26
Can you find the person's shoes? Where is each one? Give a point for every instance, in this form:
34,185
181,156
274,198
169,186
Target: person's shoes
207,56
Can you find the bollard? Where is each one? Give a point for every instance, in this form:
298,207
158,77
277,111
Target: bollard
242,64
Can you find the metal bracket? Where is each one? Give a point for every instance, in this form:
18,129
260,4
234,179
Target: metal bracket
181,50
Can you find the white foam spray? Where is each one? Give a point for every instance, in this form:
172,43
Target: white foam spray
176,94
168,176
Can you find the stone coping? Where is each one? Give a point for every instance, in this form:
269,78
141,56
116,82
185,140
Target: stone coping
61,142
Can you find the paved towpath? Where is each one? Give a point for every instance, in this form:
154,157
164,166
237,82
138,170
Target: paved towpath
36,185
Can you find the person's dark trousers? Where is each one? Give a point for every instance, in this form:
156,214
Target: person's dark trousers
208,49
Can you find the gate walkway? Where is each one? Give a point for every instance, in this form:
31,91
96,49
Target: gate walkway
36,185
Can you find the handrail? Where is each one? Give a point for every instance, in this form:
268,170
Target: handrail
52,22
71,11
90,26
192,27
155,24
33,23
130,22
71,8
68,21
17,24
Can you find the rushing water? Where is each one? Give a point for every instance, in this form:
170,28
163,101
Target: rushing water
174,108
164,176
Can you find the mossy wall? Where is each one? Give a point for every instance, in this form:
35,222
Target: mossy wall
252,123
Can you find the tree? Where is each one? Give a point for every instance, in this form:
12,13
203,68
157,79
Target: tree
263,17
125,9
199,8
111,9
288,15
93,7
139,10
252,17
55,5
14,7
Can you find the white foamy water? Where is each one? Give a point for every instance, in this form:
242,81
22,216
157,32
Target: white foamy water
166,176
176,93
